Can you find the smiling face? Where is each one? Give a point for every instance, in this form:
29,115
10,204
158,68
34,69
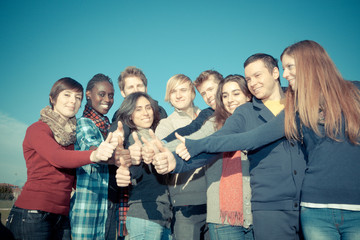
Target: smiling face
208,91
181,96
288,63
101,97
232,96
143,115
262,83
67,103
133,84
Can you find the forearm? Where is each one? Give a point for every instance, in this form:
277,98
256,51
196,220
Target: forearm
193,163
250,140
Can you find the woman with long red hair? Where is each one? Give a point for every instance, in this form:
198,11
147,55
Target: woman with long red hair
322,112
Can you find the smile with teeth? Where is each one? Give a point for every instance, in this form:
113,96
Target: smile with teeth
146,119
256,90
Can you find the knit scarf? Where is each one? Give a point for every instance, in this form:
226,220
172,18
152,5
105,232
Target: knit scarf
101,121
64,130
231,189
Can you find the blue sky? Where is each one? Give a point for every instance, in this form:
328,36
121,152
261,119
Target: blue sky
42,41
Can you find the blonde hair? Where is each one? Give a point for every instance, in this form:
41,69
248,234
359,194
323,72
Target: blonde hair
175,81
321,95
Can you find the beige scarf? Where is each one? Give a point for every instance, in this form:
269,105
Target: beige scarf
64,131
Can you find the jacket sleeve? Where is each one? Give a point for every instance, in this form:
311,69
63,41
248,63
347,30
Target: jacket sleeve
194,162
250,140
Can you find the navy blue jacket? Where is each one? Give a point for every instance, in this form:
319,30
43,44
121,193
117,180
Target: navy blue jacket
276,169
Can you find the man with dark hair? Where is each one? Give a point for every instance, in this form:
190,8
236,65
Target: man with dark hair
276,170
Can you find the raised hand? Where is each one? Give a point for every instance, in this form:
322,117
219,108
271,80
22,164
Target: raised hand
104,151
121,155
164,161
123,175
135,150
149,148
118,133
123,161
181,149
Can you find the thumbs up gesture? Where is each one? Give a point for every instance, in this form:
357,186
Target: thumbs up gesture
164,161
181,149
122,173
118,133
149,149
104,151
123,161
135,150
121,155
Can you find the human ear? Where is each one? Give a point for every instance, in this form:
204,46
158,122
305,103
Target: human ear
276,73
87,94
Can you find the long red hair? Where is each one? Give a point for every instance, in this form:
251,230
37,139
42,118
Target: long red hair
320,88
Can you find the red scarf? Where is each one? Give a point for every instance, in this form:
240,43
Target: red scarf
231,189
101,121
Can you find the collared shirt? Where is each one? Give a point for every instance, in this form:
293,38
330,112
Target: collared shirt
90,202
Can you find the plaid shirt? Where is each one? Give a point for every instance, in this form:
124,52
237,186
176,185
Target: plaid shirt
90,202
123,209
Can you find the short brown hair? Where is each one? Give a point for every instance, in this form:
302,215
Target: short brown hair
131,71
205,76
61,85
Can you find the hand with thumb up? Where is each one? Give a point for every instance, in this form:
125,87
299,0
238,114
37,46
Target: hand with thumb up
135,150
104,151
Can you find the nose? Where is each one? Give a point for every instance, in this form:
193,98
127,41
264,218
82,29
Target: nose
285,73
178,95
73,99
252,83
230,98
106,98
145,112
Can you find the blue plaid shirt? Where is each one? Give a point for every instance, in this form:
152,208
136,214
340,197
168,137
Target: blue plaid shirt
88,210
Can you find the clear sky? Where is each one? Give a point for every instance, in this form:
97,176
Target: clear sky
42,41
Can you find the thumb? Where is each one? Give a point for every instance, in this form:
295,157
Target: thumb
181,138
120,126
120,143
160,146
108,139
152,134
136,138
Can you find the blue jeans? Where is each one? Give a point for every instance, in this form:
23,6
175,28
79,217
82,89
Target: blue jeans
141,229
276,225
225,232
327,223
189,222
37,225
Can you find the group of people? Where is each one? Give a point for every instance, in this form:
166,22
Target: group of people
261,162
